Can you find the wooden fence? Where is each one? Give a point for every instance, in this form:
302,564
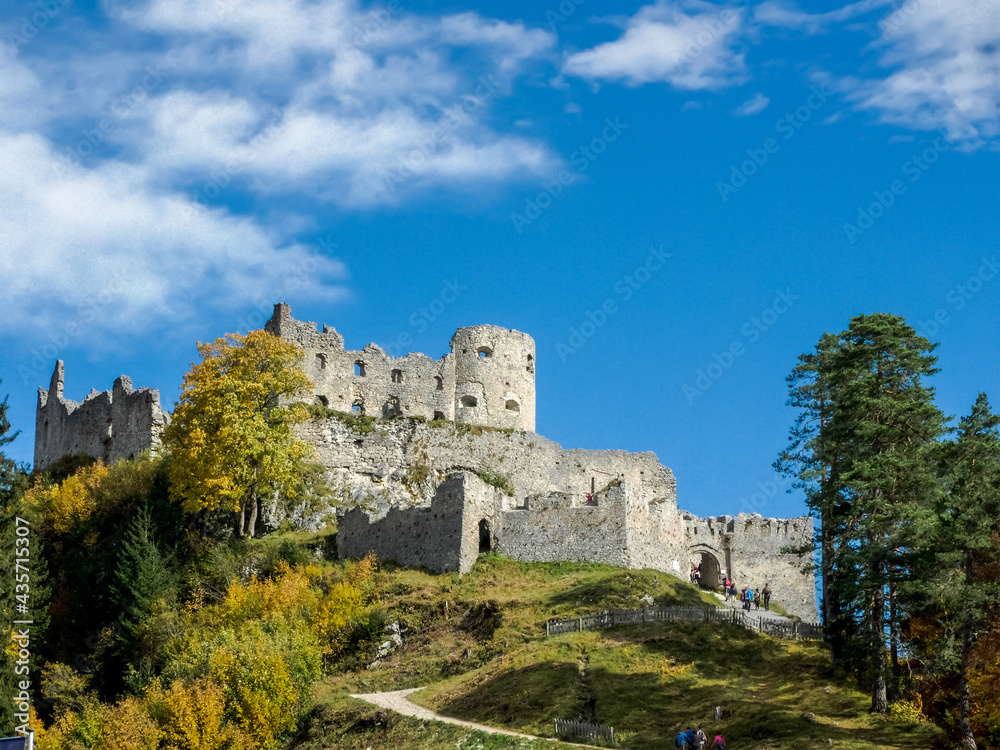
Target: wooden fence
584,731
612,617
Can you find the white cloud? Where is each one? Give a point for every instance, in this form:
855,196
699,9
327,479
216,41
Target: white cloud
74,235
271,99
662,42
776,13
945,62
758,103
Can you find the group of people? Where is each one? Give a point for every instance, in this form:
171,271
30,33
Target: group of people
748,596
697,740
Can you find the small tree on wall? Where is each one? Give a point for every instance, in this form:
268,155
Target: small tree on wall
231,434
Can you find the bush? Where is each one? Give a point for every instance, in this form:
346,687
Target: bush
495,479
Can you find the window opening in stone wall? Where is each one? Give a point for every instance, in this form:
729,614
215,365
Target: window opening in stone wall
390,409
531,364
512,405
358,407
469,401
484,351
439,416
323,401
359,368
439,383
396,376
320,361
485,542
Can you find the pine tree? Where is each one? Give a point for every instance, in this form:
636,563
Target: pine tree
862,448
961,546
143,573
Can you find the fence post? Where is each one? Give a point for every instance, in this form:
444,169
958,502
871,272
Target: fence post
579,624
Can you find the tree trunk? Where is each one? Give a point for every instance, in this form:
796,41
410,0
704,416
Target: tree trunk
880,702
252,506
893,644
964,708
241,522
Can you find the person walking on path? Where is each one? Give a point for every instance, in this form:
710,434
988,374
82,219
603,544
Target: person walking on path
700,739
720,742
767,596
756,599
682,740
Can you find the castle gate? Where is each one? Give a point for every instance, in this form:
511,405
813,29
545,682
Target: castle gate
711,567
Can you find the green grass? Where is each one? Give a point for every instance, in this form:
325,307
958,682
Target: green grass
477,642
495,479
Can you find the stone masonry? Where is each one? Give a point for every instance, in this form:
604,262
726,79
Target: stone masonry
487,379
116,424
452,467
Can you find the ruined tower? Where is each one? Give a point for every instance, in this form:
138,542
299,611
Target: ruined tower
110,425
494,377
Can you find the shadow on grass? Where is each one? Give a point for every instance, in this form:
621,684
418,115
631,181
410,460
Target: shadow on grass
647,682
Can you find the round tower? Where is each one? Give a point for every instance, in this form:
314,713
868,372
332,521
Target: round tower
494,377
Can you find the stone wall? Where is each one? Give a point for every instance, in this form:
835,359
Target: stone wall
383,467
442,537
487,379
110,425
749,549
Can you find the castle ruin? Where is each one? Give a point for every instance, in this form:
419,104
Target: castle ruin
453,468
109,426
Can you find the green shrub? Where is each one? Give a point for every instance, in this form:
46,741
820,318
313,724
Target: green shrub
495,479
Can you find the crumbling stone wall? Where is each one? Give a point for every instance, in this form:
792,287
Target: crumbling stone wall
750,547
116,424
442,537
401,461
487,379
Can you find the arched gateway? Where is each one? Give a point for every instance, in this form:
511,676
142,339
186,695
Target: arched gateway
711,566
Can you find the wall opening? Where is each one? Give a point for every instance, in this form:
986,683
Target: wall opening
484,351
358,407
320,361
469,401
390,409
439,383
359,369
323,401
396,376
512,405
439,415
711,571
485,540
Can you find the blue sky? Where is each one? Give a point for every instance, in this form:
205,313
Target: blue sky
676,199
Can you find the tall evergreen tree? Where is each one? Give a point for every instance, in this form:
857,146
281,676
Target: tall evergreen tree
956,587
862,448
143,573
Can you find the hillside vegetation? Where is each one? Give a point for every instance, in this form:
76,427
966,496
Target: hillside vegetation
478,644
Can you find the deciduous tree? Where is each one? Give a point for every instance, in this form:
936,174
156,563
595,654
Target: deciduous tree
231,434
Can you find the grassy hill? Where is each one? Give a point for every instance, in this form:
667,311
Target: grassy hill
477,643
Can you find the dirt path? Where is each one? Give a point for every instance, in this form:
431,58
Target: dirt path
761,613
399,702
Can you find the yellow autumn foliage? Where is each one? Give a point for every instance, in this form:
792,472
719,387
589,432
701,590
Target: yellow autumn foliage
93,489
230,435
193,716
63,506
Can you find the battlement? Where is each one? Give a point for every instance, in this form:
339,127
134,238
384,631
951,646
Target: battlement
488,378
109,425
